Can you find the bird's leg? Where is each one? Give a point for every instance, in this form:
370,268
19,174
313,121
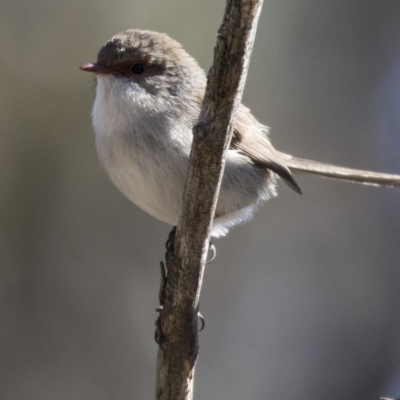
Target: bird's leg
158,334
169,245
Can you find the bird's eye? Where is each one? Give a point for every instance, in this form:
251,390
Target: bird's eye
138,69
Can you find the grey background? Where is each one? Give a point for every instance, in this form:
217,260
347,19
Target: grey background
301,303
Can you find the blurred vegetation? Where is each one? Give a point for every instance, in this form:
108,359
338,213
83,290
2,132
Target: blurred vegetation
301,303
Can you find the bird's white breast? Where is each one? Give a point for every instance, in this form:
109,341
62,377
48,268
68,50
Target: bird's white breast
142,152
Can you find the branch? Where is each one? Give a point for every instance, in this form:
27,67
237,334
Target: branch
211,139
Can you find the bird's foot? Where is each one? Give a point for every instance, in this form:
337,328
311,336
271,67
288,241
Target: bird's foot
169,245
159,335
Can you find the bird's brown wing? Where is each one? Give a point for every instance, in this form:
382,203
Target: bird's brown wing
249,138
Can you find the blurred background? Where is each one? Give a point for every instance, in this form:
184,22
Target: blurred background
301,303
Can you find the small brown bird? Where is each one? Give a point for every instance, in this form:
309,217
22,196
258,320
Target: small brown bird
148,98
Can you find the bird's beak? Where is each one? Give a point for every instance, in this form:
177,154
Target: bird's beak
95,68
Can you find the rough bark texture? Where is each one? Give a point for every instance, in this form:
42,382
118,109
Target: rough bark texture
212,135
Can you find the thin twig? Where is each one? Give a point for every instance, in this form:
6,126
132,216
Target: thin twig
212,135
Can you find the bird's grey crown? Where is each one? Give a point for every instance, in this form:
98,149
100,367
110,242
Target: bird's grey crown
134,44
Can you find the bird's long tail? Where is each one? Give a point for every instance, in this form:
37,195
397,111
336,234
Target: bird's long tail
341,173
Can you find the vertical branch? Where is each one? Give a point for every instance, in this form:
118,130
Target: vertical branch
211,139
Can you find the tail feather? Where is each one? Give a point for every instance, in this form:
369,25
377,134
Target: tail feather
341,173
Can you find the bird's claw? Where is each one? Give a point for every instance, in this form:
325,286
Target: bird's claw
202,321
159,335
212,249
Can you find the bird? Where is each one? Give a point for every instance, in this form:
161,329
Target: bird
148,98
